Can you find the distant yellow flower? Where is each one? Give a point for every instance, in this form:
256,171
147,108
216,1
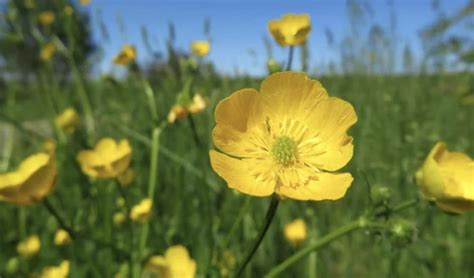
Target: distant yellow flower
29,247
291,29
447,178
287,139
119,218
108,159
47,51
31,182
68,10
46,18
61,237
68,120
296,231
142,211
200,48
30,4
49,146
467,99
127,177
176,263
181,111
60,271
85,2
126,56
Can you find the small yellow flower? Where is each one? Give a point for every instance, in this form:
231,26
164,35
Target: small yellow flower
181,111
85,2
68,10
289,139
119,218
176,263
198,105
30,4
31,182
296,231
49,146
60,271
142,211
108,159
177,112
447,178
62,237
46,18
68,120
29,247
200,48
291,29
126,56
127,177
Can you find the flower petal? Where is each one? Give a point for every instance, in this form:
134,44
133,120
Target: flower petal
325,186
248,176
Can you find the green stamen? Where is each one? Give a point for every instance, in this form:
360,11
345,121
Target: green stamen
284,150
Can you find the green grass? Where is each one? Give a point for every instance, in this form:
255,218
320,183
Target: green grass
399,119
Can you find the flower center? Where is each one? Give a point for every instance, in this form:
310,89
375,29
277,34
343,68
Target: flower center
284,150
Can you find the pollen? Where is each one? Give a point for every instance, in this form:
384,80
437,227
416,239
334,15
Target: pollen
284,150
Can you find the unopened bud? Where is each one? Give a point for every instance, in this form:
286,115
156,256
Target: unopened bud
380,195
402,232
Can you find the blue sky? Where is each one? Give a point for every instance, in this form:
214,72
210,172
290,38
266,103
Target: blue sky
238,26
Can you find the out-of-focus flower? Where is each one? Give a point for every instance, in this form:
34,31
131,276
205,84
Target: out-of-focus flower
273,66
200,48
49,146
108,159
46,18
141,212
61,237
119,218
127,177
47,51
68,120
126,56
181,111
291,29
447,178
31,182
226,263
13,265
296,232
288,139
468,99
60,271
30,4
85,2
29,246
68,10
176,263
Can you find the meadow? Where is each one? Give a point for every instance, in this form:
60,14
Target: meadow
397,232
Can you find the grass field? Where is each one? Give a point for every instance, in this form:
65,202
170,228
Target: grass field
396,234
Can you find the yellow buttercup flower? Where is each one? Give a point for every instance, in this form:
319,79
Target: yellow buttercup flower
108,159
127,177
142,211
181,111
176,263
31,182
287,139
29,247
296,231
68,120
119,218
60,271
447,178
85,2
47,51
61,237
291,29
200,48
46,18
126,56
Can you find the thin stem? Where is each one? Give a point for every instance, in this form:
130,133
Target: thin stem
290,58
150,99
268,220
194,131
58,218
339,232
405,205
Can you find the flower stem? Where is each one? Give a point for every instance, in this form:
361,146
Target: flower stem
405,205
58,218
290,58
341,231
268,220
194,131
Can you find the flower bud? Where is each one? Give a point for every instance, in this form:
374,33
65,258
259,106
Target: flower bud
401,232
380,195
13,265
273,66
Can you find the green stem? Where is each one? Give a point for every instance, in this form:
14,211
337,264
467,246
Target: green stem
150,99
290,58
405,205
268,220
58,218
194,131
155,148
350,227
